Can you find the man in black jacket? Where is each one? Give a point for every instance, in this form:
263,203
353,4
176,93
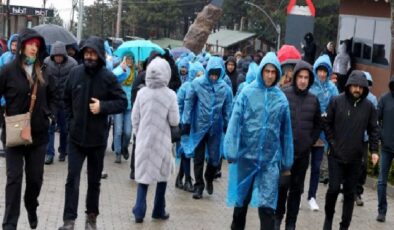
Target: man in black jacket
232,73
91,94
349,115
305,120
386,121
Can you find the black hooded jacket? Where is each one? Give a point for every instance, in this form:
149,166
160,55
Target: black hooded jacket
305,113
233,75
348,119
16,90
85,128
386,118
309,49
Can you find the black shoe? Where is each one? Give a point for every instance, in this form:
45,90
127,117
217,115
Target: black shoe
290,227
197,193
48,159
278,222
33,220
178,182
68,225
218,174
125,153
188,186
118,159
104,175
132,176
359,200
62,157
166,216
327,224
91,221
209,187
139,220
381,218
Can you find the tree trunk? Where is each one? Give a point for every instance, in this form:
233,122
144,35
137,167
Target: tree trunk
199,31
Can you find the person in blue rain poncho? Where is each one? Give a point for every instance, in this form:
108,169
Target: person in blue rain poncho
258,145
205,116
196,70
183,68
324,90
250,76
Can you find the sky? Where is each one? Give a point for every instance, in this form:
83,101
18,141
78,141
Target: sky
63,6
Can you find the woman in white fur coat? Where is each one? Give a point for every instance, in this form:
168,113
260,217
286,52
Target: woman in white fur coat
154,111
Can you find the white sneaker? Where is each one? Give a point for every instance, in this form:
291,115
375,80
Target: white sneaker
313,205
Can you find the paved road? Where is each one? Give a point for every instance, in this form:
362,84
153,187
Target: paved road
210,213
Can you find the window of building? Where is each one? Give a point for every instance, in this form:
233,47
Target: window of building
370,38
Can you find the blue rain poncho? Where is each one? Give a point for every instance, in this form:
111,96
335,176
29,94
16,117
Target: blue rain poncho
207,109
183,63
259,141
194,69
250,76
122,77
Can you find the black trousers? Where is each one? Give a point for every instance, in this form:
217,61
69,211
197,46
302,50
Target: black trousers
199,159
32,158
347,175
292,193
266,215
95,161
363,171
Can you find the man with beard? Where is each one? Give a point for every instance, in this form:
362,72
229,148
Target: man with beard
349,115
91,94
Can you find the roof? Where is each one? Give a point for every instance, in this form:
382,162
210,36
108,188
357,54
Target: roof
165,42
226,38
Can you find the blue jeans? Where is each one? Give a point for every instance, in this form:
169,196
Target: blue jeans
122,131
386,159
159,206
317,157
61,123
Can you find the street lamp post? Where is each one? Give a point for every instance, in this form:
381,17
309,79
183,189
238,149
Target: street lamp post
276,26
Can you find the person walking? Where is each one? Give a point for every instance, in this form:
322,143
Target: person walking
306,126
386,122
58,65
90,95
259,146
17,82
155,111
349,115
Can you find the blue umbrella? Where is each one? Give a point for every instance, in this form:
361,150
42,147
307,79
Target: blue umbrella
140,49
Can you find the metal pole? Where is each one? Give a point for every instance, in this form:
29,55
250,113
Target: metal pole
278,43
80,20
8,25
119,18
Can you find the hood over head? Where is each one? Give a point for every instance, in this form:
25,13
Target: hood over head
369,78
269,58
158,73
13,38
323,61
194,69
233,60
97,44
25,35
357,77
215,63
303,65
58,48
252,72
183,62
309,37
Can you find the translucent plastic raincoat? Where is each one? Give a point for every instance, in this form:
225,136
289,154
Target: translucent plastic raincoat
207,109
259,141
195,68
183,62
250,76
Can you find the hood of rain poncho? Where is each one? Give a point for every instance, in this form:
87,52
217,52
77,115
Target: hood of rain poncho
108,48
357,77
269,58
259,140
158,73
203,58
324,91
194,68
13,38
369,78
183,62
207,109
252,72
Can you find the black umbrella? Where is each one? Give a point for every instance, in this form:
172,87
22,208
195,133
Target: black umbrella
53,33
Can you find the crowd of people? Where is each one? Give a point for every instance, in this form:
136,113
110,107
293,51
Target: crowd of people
270,118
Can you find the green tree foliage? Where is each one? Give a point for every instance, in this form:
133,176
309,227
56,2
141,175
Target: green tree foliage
56,19
100,19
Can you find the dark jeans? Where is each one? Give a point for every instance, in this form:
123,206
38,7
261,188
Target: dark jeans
266,215
363,171
292,194
76,157
184,168
199,159
159,206
62,125
347,175
317,157
386,159
32,159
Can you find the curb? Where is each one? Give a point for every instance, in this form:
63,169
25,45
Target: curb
372,183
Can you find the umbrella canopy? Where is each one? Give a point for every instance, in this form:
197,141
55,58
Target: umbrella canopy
178,51
53,33
140,49
288,54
